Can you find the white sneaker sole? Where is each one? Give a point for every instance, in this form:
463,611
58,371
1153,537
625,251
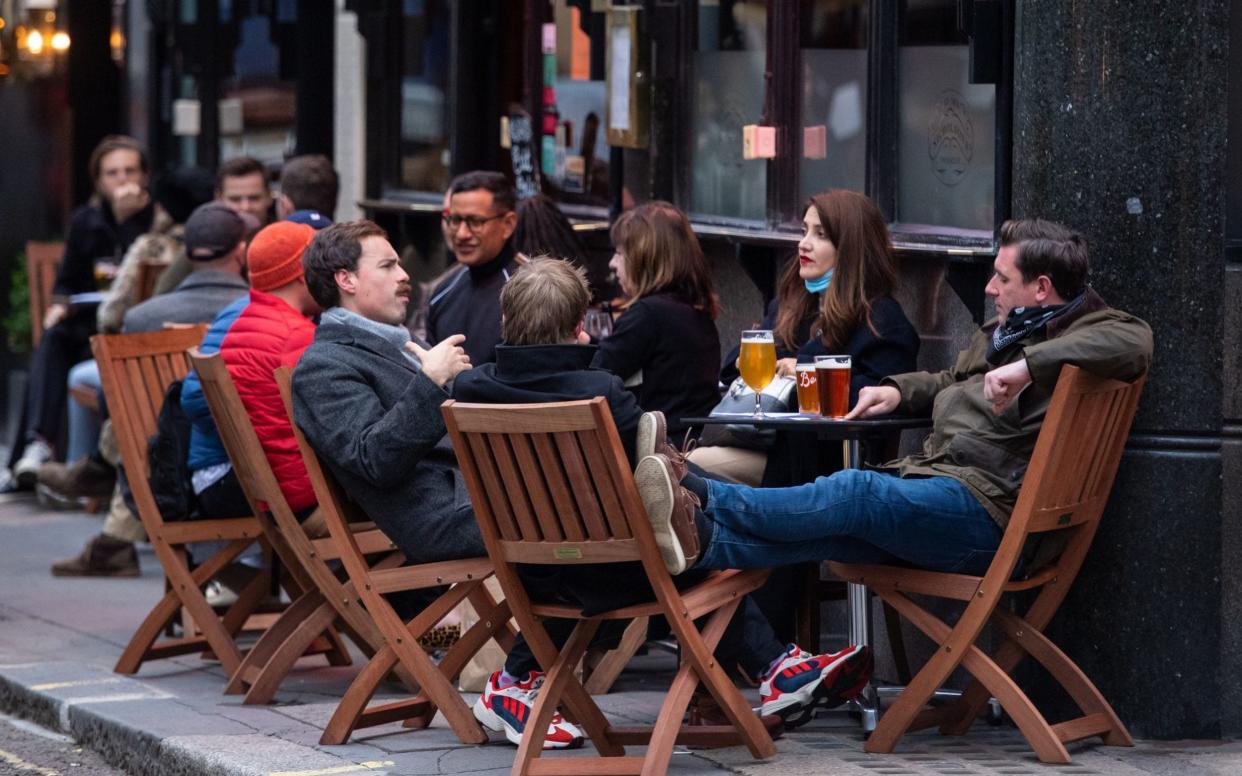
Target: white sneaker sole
644,443
656,490
492,721
810,696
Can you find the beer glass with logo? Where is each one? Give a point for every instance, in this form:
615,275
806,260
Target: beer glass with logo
808,393
757,362
832,377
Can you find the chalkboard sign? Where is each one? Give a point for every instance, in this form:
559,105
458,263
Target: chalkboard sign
521,150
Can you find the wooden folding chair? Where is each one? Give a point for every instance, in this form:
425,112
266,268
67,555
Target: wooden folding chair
306,627
400,649
1062,498
551,485
42,261
136,370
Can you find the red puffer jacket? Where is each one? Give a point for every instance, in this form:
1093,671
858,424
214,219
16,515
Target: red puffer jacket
269,334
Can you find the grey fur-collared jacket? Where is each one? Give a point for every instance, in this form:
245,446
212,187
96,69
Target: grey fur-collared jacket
375,420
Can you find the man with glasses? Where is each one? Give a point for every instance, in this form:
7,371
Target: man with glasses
478,223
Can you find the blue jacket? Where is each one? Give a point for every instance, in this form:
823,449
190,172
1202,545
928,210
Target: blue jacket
206,449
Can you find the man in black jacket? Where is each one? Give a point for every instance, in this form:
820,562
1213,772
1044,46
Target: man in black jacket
543,359
479,223
99,233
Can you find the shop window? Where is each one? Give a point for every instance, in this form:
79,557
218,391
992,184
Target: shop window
728,90
425,61
834,96
574,151
258,102
947,125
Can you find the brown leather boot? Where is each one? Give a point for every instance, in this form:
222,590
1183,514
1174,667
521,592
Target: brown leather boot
670,509
102,557
83,477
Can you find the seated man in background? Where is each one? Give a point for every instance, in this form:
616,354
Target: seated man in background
944,509
215,241
479,222
309,187
542,359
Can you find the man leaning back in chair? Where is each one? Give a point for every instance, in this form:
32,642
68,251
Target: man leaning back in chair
946,508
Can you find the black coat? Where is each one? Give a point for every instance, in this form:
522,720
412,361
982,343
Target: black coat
468,302
528,374
673,349
94,236
548,373
895,351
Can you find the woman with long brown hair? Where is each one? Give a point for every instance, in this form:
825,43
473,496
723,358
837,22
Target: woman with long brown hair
834,299
665,345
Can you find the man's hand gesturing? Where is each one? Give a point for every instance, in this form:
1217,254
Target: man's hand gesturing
443,362
1002,384
875,400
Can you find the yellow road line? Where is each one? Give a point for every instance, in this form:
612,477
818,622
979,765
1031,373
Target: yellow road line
22,765
77,683
370,765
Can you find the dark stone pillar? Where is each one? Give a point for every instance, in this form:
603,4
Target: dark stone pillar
1120,129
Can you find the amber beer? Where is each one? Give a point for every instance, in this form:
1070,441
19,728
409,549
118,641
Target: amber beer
756,361
808,393
832,375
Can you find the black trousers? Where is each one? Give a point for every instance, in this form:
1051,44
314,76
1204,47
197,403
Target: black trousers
47,393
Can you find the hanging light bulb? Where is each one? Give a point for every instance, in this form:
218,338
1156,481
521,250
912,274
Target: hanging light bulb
60,41
34,42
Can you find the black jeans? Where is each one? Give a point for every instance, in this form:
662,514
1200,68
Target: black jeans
47,393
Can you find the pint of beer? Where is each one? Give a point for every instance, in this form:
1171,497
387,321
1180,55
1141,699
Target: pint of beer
808,394
832,375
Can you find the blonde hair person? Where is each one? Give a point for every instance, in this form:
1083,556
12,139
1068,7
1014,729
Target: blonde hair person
544,303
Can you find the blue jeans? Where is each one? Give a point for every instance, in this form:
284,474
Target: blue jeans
83,423
852,516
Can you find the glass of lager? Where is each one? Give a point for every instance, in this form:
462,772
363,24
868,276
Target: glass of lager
808,393
757,362
832,376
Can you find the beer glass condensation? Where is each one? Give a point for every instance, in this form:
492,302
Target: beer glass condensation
808,393
832,376
757,362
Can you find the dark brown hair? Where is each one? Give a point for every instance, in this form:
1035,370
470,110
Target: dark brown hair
1048,248
866,270
543,303
662,255
310,183
335,247
240,167
115,143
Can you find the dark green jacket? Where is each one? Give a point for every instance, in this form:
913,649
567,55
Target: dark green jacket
989,453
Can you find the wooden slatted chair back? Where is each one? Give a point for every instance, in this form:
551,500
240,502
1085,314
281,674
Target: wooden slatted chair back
42,261
557,486
136,370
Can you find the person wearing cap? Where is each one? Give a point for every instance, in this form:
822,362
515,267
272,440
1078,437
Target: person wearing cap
215,241
309,187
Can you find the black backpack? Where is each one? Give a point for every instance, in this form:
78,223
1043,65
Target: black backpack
168,450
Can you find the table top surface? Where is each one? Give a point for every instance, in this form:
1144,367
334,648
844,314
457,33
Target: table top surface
794,421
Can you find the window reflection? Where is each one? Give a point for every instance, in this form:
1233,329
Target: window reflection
728,94
257,106
425,61
946,137
576,171
834,95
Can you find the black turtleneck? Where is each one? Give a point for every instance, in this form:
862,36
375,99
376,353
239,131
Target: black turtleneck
468,302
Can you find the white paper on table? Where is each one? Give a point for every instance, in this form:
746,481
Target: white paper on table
619,99
772,415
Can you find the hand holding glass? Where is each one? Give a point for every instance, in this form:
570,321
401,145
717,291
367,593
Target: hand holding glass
757,362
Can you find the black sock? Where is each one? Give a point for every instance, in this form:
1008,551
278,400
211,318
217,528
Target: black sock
696,485
704,527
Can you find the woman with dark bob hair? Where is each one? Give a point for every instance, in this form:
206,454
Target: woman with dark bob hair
665,345
835,298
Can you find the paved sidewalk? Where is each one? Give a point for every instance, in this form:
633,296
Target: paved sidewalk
60,637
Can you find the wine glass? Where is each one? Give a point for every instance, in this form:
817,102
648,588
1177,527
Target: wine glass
757,362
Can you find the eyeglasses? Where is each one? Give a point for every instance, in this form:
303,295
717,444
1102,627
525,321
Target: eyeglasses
473,223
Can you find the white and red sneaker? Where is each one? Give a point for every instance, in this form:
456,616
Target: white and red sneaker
800,682
507,709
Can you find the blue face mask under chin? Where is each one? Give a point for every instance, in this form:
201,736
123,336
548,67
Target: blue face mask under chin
819,284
